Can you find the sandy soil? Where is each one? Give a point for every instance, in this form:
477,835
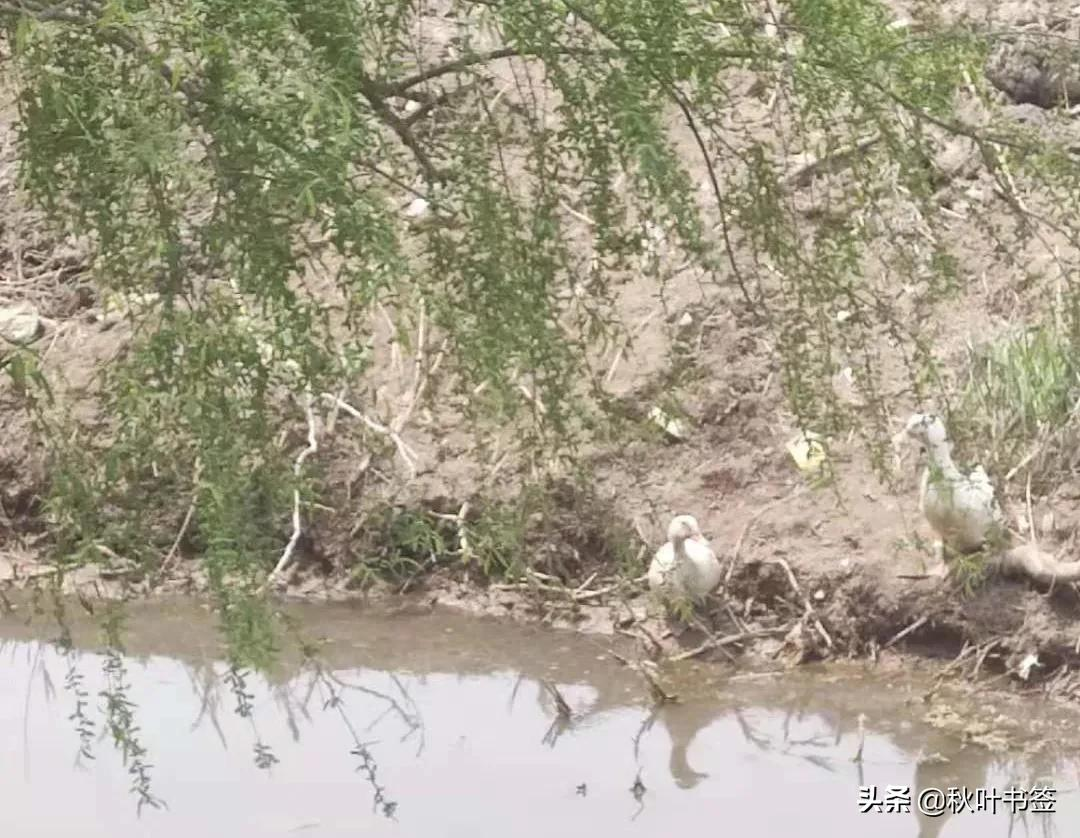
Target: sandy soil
847,545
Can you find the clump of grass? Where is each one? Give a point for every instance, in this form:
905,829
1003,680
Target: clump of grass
402,543
969,570
1020,388
496,539
559,528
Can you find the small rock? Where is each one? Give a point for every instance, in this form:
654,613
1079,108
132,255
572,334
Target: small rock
958,158
19,324
819,595
686,320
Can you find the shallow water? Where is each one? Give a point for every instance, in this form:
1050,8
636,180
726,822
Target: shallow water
454,733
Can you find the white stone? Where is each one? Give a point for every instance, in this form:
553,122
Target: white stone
19,324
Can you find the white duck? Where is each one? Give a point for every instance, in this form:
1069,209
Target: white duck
685,565
962,509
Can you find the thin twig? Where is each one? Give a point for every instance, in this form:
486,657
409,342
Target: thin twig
810,612
965,650
726,641
407,454
830,161
312,447
900,635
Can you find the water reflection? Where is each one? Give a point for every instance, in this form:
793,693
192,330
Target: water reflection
440,725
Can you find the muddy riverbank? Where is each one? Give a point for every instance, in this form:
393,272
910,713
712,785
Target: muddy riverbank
1007,638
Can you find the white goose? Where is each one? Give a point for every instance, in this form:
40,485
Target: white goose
962,509
965,513
685,565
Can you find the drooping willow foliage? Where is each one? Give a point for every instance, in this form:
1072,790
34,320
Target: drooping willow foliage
222,154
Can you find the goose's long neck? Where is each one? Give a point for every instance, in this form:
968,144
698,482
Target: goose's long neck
941,460
678,549
680,767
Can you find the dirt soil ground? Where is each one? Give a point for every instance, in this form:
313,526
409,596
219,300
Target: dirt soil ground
848,547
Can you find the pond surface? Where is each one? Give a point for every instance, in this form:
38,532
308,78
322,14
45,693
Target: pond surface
438,724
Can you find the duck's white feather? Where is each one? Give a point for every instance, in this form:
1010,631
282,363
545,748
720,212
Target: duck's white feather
686,567
962,509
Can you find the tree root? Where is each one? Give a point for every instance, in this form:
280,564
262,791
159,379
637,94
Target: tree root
1028,560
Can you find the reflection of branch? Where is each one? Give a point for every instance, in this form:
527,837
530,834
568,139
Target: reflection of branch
417,719
563,715
120,721
638,791
84,725
283,697
208,701
409,720
236,679
748,732
559,725
513,693
368,767
646,726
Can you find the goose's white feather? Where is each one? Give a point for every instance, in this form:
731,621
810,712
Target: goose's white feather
962,509
685,565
